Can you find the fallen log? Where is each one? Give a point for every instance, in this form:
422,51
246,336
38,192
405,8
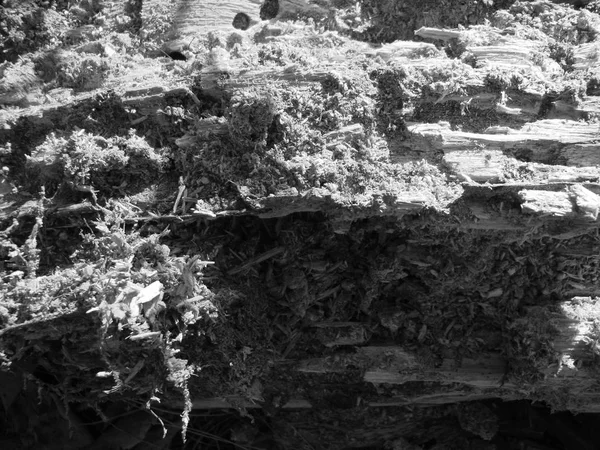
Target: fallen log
363,244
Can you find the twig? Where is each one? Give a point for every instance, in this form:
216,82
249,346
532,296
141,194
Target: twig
258,259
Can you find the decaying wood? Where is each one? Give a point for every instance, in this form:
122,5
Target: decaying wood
192,19
289,9
474,157
489,160
383,304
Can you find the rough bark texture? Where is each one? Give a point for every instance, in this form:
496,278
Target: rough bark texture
375,226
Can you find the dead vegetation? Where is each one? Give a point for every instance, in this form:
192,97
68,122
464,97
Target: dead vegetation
351,240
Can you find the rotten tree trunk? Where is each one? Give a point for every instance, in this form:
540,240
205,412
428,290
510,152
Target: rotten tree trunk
450,253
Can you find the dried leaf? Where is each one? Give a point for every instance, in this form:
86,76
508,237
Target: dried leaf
152,292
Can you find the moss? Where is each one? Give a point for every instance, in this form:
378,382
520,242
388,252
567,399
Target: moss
27,28
497,82
529,345
83,159
250,116
16,79
563,55
109,319
133,9
156,21
394,93
81,71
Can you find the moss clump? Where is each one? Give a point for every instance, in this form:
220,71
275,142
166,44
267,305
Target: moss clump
497,81
15,80
529,345
123,318
250,116
82,159
85,72
156,21
28,28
